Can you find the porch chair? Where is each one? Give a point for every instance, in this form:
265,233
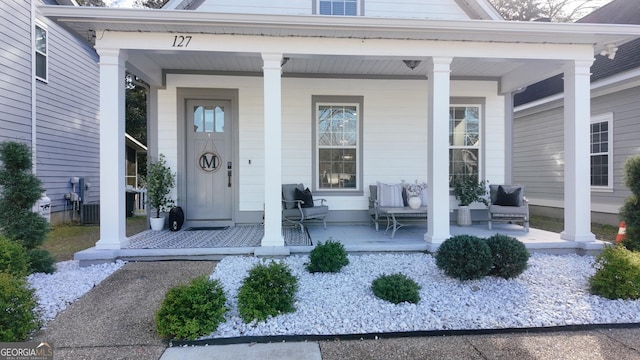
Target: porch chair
298,206
508,204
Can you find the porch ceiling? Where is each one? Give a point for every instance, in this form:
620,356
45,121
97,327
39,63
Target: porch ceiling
319,65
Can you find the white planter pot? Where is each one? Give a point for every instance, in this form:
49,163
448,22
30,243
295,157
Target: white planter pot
464,216
414,202
157,223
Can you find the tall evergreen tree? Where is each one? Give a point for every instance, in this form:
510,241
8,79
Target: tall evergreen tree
152,4
20,191
90,2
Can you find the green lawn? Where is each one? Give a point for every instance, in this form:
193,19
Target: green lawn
65,240
602,232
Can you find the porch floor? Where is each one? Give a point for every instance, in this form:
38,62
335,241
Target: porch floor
355,238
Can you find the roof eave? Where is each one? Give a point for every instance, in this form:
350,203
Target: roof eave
539,32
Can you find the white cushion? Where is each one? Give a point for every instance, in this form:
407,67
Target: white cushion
390,195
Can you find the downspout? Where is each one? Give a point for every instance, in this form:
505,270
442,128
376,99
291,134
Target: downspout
33,88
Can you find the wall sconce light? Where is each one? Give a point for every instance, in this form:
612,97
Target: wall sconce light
284,61
412,64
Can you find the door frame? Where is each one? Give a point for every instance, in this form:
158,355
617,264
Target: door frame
184,94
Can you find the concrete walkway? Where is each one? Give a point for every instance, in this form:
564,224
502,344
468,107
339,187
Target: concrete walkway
115,321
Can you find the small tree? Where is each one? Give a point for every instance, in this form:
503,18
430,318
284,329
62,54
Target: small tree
160,181
630,211
20,190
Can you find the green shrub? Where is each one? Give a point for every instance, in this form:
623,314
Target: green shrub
630,210
20,190
396,288
268,290
617,275
327,257
40,260
191,310
464,257
13,258
17,309
509,256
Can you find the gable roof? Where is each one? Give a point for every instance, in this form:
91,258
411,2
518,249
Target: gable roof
477,9
627,56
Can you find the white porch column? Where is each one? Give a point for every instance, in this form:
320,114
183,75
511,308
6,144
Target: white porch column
438,146
112,150
272,150
577,172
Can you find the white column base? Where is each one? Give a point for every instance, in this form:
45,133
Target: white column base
112,243
565,235
267,251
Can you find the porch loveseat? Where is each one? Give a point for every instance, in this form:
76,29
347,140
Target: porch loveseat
383,197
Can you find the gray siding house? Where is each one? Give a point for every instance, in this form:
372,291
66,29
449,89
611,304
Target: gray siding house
538,155
49,100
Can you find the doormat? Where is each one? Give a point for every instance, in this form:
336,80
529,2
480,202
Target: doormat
203,228
234,236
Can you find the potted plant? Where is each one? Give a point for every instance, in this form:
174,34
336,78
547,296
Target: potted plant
467,190
160,181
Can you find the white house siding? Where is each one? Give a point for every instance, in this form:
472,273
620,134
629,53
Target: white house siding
433,9
394,126
538,160
15,71
539,155
280,7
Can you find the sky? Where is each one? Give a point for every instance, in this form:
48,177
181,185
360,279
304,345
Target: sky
119,3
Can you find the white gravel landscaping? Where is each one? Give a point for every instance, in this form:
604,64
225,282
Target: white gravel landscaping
553,291
67,284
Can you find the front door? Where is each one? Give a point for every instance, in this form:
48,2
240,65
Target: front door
209,162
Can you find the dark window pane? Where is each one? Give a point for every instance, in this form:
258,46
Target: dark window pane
340,170
41,66
325,7
462,162
600,170
351,8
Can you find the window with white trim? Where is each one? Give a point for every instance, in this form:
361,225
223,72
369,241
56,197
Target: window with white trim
337,143
464,141
338,7
601,146
40,42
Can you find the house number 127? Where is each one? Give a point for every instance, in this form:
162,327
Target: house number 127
181,41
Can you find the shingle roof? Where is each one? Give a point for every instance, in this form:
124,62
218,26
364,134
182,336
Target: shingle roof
627,57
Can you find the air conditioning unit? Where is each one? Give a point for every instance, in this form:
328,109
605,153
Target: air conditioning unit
90,213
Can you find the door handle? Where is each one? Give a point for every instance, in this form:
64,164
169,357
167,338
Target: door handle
229,173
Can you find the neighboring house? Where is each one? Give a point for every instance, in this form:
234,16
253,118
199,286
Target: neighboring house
614,126
335,94
136,195
49,100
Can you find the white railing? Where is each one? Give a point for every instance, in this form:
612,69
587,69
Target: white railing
139,200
